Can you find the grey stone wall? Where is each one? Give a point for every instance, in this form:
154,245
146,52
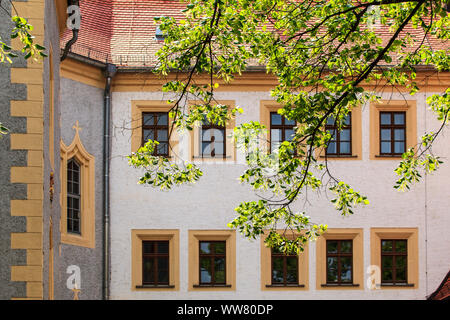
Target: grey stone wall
9,158
83,103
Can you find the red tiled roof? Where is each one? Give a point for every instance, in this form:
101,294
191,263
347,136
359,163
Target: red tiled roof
443,291
123,31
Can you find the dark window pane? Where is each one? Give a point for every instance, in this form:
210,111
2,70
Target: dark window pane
148,247
163,264
275,118
386,262
163,246
386,275
149,270
385,118
291,269
346,246
163,276
219,247
332,274
332,246
400,245
400,261
219,270
386,245
400,275
277,269
205,270
346,269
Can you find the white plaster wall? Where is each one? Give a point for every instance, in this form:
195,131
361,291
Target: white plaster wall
210,204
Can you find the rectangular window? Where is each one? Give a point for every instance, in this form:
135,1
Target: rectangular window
212,262
281,129
73,197
392,133
155,126
213,140
284,268
339,261
394,261
341,140
155,263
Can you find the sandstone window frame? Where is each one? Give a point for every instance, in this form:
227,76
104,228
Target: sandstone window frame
86,162
195,138
354,234
194,238
409,234
138,108
137,238
410,109
266,268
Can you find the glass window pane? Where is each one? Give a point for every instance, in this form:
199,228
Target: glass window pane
332,275
218,149
162,135
217,135
386,245
385,118
205,270
332,246
386,262
400,275
206,148
400,262
162,119
291,269
275,118
163,265
289,134
163,148
275,135
332,148
399,118
163,246
219,247
387,275
148,119
277,269
289,122
148,247
386,134
219,270
331,120
399,134
345,135
148,135
206,135
149,269
400,245
347,119
345,147
399,147
385,147
220,276
274,146
346,269
205,247
346,246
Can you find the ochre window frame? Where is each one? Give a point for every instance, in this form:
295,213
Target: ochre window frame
139,235
195,147
410,234
195,236
407,106
138,107
355,234
266,268
87,166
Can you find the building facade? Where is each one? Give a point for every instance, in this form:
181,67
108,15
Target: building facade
60,203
